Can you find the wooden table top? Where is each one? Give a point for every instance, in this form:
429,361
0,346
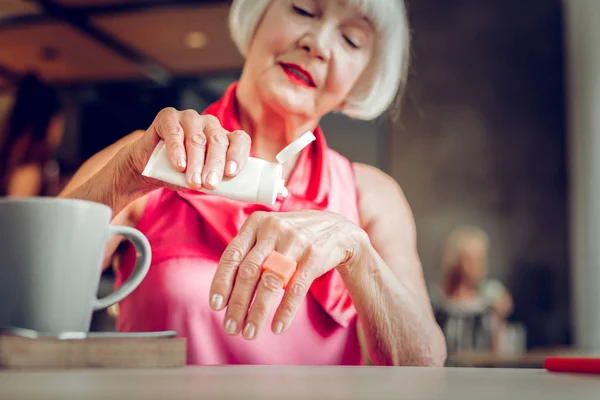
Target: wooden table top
281,383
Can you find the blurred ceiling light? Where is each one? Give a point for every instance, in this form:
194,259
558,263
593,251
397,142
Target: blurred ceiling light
195,40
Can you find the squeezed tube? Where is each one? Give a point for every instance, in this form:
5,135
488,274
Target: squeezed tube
259,181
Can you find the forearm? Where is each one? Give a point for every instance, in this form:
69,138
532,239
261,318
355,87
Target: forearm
398,328
116,184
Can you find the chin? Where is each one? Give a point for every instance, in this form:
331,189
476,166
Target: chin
286,97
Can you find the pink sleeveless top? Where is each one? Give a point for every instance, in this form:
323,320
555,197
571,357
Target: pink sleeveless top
188,231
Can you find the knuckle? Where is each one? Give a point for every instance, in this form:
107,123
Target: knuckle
360,235
219,140
240,136
198,139
295,236
272,220
166,111
271,282
299,288
259,310
287,308
259,215
312,252
249,270
211,120
236,305
171,131
189,115
232,255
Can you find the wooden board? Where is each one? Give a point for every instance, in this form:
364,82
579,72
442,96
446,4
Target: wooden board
44,353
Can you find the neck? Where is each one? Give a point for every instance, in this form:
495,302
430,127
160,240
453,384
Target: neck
270,131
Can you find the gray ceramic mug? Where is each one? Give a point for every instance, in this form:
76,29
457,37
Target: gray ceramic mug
51,253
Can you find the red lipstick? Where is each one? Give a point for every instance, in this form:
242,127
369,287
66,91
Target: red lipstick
298,75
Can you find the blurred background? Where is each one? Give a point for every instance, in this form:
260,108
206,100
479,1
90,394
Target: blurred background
496,131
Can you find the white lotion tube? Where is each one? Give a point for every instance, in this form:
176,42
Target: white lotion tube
258,182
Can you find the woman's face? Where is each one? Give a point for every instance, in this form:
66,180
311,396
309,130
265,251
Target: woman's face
473,261
307,55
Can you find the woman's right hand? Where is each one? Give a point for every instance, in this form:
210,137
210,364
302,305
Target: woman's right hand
196,144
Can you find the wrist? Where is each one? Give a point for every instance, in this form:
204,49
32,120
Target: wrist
128,180
360,255
120,181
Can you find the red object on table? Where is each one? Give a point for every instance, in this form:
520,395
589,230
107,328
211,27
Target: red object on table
581,365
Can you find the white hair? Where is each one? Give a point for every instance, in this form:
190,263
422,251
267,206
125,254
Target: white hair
386,74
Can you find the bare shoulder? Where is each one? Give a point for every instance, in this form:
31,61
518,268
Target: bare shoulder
370,178
380,197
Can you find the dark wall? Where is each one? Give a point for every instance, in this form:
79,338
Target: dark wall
481,140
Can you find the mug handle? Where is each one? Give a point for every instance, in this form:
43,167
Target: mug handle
142,265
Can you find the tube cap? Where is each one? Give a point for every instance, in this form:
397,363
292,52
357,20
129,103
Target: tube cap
271,184
295,147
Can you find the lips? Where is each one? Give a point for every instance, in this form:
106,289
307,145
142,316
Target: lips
298,75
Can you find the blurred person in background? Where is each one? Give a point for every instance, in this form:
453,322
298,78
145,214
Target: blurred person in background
347,225
465,287
33,133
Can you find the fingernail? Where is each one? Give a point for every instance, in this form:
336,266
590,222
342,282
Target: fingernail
196,178
249,331
216,301
278,328
212,179
231,167
181,162
230,326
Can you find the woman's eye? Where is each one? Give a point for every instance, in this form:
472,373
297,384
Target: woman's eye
301,11
351,42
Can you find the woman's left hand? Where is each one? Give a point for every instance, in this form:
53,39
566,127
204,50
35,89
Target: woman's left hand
319,241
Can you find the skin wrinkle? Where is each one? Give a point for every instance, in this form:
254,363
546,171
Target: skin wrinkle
388,340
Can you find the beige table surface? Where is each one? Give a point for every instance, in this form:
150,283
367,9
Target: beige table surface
281,383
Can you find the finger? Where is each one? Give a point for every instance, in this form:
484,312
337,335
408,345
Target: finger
269,287
247,277
237,153
217,144
168,128
267,293
195,146
224,278
318,258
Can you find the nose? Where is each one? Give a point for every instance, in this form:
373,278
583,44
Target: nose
316,43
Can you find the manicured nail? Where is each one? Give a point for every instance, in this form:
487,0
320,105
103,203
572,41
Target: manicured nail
230,326
181,162
196,178
216,302
249,331
212,179
278,328
231,167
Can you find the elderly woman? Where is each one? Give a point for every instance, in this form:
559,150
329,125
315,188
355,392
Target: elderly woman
465,287
348,226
